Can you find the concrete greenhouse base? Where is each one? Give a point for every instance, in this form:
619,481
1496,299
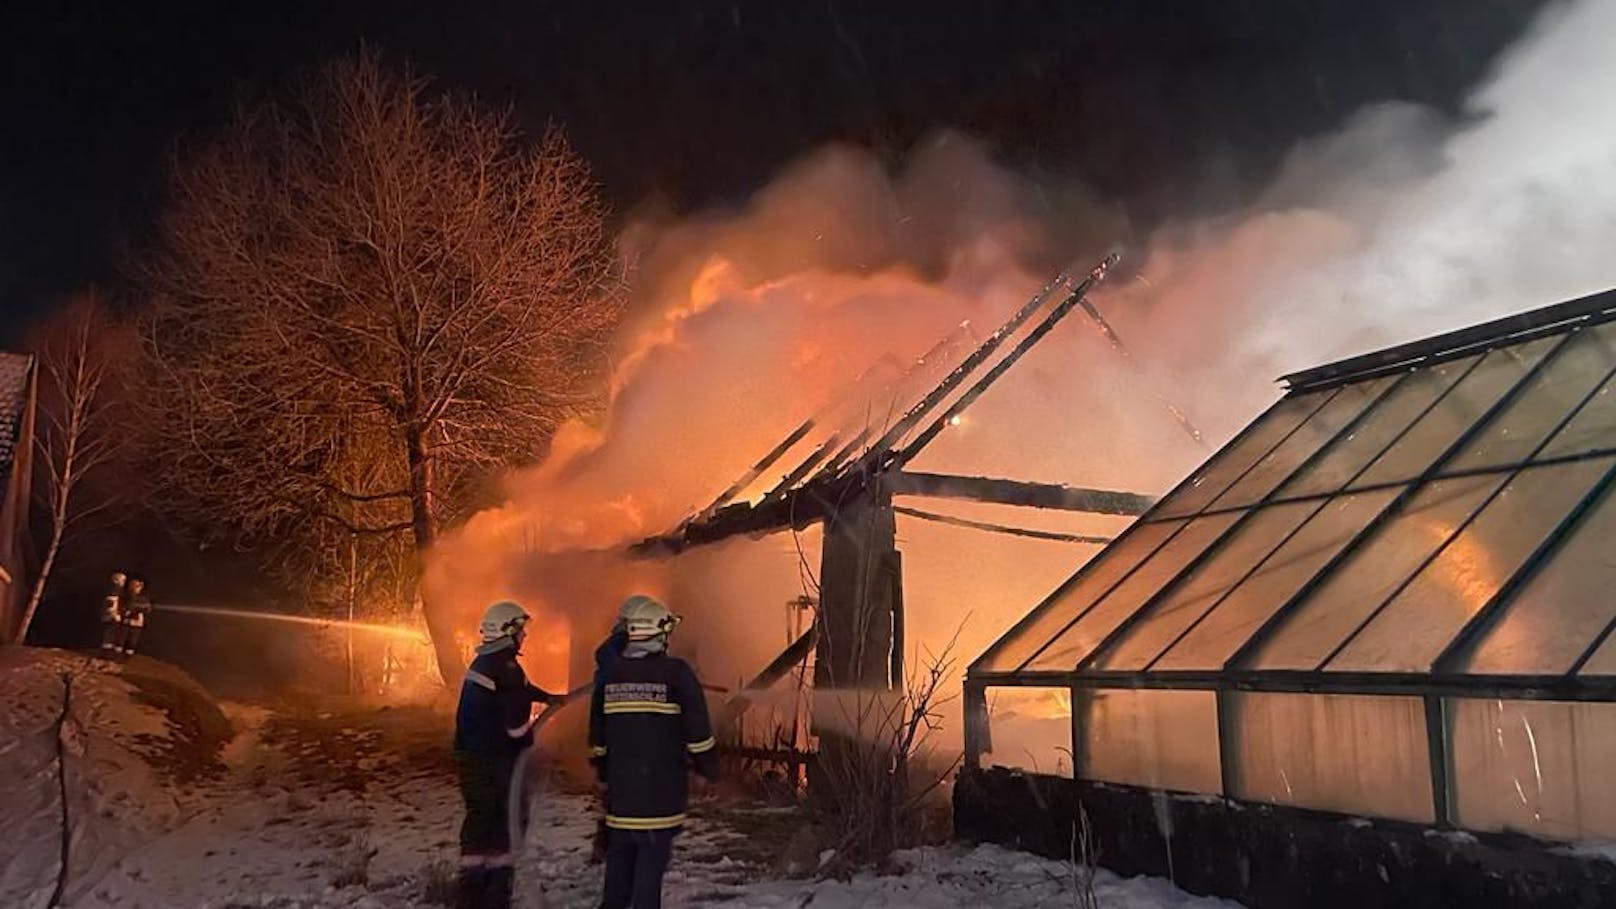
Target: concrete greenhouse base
1270,857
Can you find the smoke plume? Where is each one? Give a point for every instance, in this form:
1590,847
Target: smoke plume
1401,223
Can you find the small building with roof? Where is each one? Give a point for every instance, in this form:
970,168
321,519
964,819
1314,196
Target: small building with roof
18,394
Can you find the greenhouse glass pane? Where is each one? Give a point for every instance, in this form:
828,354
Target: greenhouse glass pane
1536,767
1372,573
1559,612
1401,407
1356,754
1089,584
1603,660
1030,730
1079,640
1593,428
1152,738
1215,476
1414,629
1498,372
1278,465
1166,618
1548,399
1214,641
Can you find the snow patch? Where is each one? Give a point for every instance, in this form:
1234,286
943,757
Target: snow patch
114,740
936,877
1597,850
1453,836
272,837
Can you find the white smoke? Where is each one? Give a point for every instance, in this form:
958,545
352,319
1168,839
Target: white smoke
1403,224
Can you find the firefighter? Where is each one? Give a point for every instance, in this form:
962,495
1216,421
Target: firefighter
132,615
609,652
493,725
112,614
612,648
647,724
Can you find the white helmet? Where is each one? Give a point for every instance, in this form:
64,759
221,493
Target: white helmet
645,619
500,621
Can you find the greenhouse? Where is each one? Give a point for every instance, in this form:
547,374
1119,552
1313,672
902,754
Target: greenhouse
1389,597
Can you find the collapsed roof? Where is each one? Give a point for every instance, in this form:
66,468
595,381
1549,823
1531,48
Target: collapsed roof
853,447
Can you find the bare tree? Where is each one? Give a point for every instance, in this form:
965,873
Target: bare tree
81,432
1082,862
876,784
364,298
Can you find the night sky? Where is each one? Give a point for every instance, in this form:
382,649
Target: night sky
1164,106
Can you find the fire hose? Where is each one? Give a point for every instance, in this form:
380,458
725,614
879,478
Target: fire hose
519,799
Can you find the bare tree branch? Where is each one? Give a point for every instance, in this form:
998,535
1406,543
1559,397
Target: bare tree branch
365,298
80,436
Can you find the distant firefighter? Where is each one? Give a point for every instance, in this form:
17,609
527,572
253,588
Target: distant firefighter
112,614
136,606
493,726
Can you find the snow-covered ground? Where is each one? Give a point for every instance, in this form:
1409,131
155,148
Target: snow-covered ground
707,872
358,808
135,738
292,851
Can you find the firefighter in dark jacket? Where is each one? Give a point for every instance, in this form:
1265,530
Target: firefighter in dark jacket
647,725
112,614
609,652
132,614
493,725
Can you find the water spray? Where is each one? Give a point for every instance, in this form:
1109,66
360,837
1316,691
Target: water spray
400,631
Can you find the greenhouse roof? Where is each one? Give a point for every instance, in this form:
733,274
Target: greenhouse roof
1435,516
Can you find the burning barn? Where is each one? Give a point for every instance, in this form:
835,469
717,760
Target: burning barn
1362,656
852,478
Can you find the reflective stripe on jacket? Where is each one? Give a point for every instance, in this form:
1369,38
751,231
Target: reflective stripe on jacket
495,714
648,724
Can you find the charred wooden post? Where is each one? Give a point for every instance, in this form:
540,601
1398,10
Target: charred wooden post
853,662
977,740
856,596
895,581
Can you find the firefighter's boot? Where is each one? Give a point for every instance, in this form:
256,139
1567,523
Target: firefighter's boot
471,887
497,893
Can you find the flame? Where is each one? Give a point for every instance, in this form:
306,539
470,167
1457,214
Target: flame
745,325
743,321
716,280
1032,703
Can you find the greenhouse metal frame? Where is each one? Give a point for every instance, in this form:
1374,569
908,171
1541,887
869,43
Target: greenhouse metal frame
1413,541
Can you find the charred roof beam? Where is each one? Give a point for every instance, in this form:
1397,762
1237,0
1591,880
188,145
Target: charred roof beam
1018,492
